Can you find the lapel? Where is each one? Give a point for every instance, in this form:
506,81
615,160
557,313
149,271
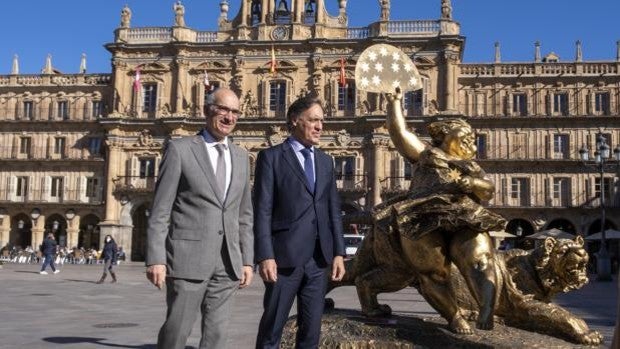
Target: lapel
202,157
289,155
321,167
237,177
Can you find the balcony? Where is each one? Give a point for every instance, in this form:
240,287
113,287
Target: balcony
47,153
353,184
44,196
395,185
134,184
43,113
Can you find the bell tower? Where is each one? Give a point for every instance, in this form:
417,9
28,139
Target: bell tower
279,20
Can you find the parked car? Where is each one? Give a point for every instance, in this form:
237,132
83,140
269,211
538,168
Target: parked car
351,243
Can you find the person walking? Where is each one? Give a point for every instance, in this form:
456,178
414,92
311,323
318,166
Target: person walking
199,239
297,227
48,248
109,255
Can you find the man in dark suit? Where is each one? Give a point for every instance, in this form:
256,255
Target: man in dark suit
200,227
297,227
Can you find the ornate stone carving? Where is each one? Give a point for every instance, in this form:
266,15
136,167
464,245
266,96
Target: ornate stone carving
145,139
343,138
249,106
276,135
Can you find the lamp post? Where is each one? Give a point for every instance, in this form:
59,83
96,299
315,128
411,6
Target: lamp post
601,161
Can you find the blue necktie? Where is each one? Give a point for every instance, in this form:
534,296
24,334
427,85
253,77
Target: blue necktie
308,169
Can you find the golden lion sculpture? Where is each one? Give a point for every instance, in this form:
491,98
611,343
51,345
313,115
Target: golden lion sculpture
531,279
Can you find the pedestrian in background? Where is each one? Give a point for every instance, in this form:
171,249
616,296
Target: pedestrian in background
48,248
109,258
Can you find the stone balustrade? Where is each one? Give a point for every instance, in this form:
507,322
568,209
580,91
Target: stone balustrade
539,69
150,35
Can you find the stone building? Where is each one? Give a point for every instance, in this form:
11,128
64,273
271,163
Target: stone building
80,152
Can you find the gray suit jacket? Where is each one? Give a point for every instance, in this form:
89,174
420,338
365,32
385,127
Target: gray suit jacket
188,219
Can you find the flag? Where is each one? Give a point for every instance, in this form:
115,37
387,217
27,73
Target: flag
273,60
343,76
136,81
206,82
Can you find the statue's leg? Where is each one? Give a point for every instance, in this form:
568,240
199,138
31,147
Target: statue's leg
427,255
376,281
472,253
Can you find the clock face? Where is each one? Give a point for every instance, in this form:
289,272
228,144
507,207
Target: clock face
279,33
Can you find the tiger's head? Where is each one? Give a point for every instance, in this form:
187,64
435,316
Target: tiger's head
562,264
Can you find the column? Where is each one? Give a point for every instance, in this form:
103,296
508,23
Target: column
73,229
378,143
38,229
111,204
5,230
264,9
182,65
451,60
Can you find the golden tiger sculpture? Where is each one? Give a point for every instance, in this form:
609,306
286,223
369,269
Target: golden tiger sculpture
527,282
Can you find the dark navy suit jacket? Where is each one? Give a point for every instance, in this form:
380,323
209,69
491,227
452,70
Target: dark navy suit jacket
288,217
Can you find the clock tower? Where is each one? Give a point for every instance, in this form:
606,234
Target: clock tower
281,20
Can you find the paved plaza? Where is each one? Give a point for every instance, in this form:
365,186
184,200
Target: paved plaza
68,310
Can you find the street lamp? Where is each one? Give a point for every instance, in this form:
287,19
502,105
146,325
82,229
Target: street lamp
601,160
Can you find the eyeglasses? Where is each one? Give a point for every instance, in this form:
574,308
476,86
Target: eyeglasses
224,110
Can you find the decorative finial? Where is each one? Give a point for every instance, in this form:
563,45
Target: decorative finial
48,69
618,51
446,9
537,52
15,66
179,14
126,17
498,57
385,10
578,53
83,64
224,9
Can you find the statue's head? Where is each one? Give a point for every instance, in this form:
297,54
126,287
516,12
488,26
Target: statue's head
455,137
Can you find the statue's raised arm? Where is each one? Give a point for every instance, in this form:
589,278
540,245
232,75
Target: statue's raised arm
406,142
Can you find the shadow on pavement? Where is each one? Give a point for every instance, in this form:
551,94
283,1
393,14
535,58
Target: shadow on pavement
92,340
25,271
84,281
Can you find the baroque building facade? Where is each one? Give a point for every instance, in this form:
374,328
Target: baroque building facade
80,152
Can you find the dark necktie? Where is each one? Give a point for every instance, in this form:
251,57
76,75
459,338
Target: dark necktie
220,170
308,169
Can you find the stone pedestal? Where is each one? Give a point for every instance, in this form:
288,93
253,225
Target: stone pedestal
351,330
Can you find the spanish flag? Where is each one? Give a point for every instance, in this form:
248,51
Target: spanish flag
273,60
136,82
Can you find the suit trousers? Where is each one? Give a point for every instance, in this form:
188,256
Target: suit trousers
213,296
309,284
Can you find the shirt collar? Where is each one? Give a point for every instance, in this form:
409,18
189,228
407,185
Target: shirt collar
211,141
297,146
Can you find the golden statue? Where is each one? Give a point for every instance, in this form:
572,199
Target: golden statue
435,237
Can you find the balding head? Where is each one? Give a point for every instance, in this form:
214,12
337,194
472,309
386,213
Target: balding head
222,112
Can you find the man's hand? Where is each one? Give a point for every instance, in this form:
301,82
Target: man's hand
338,268
156,274
268,270
246,277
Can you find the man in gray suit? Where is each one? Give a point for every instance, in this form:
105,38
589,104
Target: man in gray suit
200,240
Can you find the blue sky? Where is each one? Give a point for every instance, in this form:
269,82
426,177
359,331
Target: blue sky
68,28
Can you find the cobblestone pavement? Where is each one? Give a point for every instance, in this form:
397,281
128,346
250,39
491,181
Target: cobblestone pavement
69,310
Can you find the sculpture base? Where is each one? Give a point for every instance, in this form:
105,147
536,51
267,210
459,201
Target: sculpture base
350,329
